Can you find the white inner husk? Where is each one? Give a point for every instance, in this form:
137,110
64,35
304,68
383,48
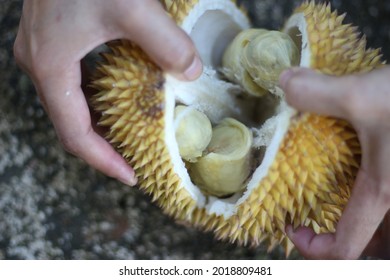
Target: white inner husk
212,25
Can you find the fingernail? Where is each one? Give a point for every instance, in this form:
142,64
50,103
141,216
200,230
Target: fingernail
133,181
195,69
128,179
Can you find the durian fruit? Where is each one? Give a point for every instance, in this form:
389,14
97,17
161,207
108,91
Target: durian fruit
303,165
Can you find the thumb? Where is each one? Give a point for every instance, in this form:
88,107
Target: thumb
160,37
307,90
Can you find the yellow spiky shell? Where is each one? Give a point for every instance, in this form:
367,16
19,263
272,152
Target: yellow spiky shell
310,179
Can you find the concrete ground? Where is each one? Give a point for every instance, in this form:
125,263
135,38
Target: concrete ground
53,206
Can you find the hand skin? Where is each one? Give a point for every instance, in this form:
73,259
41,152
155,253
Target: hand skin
55,35
364,101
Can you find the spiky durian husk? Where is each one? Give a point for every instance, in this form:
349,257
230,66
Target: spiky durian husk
178,9
311,177
336,48
132,99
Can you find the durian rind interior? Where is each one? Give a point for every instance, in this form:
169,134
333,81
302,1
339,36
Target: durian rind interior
306,164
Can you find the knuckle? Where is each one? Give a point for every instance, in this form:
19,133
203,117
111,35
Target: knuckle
73,140
37,62
69,144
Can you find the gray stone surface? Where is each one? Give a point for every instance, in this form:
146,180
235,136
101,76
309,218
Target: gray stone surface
53,206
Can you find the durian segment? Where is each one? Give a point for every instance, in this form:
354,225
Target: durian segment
193,132
232,58
226,164
267,55
256,58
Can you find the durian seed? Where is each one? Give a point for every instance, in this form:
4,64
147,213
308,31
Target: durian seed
226,165
193,132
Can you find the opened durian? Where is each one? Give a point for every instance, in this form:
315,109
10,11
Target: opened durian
281,167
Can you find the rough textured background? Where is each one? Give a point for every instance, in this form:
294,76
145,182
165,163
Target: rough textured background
53,206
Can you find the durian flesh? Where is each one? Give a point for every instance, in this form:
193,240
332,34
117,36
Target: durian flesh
193,132
226,164
305,164
257,57
254,60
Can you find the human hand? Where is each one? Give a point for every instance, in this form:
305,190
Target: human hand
55,35
364,101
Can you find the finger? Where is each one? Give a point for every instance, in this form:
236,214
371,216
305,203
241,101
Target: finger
68,110
309,91
355,229
159,36
308,243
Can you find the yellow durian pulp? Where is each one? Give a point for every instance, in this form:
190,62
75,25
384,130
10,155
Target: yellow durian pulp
304,164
